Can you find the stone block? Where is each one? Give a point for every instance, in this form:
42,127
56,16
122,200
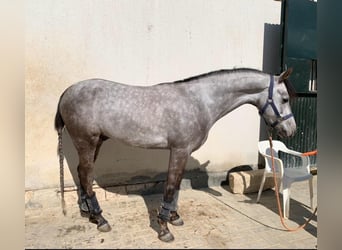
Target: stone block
243,182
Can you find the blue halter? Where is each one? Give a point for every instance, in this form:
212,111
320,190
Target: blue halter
274,107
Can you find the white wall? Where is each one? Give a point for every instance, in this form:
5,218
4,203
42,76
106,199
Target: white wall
138,42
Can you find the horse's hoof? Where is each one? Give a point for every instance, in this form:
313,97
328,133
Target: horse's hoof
104,227
166,236
177,222
175,219
164,233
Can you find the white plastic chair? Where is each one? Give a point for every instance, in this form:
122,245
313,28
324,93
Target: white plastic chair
287,175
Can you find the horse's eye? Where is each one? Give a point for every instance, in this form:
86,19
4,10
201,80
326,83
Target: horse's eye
285,100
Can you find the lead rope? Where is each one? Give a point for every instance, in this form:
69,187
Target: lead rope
277,195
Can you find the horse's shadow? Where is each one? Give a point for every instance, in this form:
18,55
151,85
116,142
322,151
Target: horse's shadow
152,204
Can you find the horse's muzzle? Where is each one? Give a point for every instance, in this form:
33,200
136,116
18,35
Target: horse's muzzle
286,129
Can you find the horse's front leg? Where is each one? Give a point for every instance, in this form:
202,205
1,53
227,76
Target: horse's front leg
168,209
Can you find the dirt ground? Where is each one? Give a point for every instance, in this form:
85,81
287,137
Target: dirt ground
214,218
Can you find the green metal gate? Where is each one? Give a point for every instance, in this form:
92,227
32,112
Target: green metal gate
298,50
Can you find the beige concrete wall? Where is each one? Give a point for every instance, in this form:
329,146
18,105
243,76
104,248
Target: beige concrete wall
137,42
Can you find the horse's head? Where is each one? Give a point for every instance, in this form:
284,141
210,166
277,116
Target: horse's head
276,110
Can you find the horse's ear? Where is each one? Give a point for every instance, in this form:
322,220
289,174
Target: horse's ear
286,74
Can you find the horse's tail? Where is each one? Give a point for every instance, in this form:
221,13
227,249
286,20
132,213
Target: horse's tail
59,125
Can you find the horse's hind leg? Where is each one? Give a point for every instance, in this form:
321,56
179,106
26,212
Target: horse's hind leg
89,206
98,146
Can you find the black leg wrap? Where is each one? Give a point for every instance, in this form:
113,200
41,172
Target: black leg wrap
90,208
93,205
164,214
166,207
170,216
88,205
82,203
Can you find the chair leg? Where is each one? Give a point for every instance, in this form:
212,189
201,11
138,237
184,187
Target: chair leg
286,200
261,186
311,193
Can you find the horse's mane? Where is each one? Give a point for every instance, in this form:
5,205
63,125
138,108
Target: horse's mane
217,72
289,86
290,89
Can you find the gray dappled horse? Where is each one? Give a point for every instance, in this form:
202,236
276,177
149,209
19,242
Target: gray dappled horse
174,115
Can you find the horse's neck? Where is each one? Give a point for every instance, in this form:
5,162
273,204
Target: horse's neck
226,93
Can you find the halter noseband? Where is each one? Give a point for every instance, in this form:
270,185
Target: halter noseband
274,107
